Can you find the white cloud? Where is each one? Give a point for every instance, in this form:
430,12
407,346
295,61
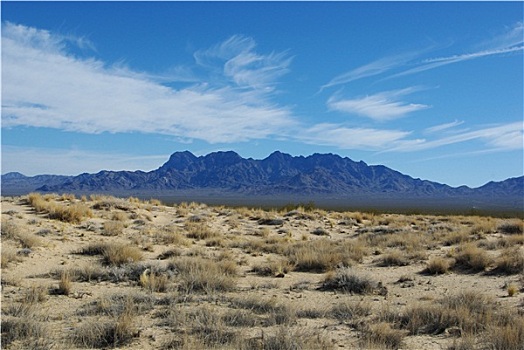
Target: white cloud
45,86
328,134
35,161
373,68
442,127
503,137
382,106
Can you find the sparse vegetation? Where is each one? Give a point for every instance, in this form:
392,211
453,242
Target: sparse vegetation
137,275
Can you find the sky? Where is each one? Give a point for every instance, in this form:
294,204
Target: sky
431,89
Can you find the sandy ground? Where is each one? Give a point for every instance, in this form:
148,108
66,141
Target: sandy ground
52,246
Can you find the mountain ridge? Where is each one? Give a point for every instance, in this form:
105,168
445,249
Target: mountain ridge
277,174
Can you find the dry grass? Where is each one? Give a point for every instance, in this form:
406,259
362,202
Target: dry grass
510,261
438,265
469,257
112,228
197,274
382,336
348,281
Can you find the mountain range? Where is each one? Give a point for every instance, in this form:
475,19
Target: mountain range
280,174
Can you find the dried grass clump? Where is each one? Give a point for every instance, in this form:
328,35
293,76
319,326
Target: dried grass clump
73,213
394,258
438,265
154,281
115,254
513,227
287,338
8,256
275,268
22,326
323,255
382,336
510,261
470,257
348,281
469,311
509,336
199,230
114,332
347,310
64,285
197,274
112,228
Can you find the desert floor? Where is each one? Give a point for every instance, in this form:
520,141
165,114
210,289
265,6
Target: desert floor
105,272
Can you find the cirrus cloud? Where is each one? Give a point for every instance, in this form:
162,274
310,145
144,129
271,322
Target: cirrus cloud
46,86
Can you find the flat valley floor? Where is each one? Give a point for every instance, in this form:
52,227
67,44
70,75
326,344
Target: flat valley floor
104,272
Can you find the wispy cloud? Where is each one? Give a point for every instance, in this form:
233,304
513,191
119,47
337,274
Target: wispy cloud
502,137
442,127
329,134
45,85
381,106
376,67
34,161
508,42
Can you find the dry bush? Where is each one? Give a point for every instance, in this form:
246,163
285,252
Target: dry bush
73,213
115,254
36,294
95,333
323,255
112,228
8,256
508,336
199,230
348,281
170,235
469,311
438,265
197,274
347,310
273,267
118,254
153,281
64,285
510,261
240,318
394,258
456,237
382,336
287,338
469,257
512,227
22,326
9,229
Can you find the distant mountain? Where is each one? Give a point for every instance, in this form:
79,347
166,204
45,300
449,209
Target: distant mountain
15,183
279,174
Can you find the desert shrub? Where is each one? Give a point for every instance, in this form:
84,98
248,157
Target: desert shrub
26,331
438,265
323,255
8,256
394,258
273,268
382,336
470,257
73,213
197,274
199,230
65,284
36,294
508,336
469,311
512,227
240,318
346,310
456,237
114,254
119,254
115,332
112,228
154,281
286,338
9,229
348,281
510,261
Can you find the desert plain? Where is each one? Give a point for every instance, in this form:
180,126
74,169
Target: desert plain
98,272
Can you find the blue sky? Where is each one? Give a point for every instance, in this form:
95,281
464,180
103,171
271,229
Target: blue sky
431,89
